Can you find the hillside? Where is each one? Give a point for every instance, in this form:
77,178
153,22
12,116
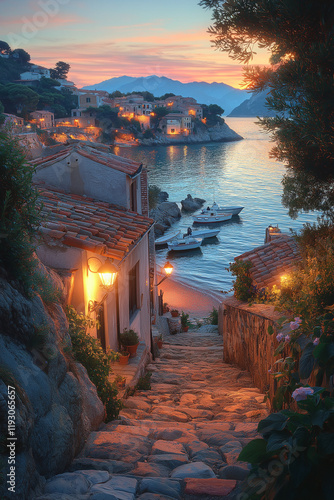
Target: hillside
205,93
254,106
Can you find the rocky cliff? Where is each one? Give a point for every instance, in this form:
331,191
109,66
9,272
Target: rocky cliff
48,406
220,132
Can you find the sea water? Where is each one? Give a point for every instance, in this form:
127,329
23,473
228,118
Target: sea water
230,173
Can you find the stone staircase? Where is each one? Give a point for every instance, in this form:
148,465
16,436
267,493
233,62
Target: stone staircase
180,439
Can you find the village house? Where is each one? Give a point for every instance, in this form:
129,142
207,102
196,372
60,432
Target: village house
43,119
36,73
15,121
96,207
176,124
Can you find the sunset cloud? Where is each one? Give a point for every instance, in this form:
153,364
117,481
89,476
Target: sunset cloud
108,38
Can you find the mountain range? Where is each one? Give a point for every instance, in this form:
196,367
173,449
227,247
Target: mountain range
205,93
253,106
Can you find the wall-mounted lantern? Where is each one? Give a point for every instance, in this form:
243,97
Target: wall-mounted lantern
108,274
168,269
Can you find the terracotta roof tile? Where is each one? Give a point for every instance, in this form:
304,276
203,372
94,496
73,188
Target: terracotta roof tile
99,227
271,260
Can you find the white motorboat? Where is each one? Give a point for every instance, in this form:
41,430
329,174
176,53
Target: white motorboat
232,210
203,233
187,243
167,237
211,216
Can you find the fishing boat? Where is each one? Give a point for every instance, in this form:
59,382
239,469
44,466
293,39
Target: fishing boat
203,233
231,210
211,216
187,243
167,237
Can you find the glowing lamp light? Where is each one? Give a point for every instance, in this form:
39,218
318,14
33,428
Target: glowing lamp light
168,268
108,274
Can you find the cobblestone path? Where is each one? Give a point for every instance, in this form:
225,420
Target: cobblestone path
178,440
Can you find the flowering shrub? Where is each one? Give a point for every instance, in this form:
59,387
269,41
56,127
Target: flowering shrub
294,459
243,289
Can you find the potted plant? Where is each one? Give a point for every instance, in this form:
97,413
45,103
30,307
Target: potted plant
165,308
159,341
175,313
120,381
123,357
185,323
130,340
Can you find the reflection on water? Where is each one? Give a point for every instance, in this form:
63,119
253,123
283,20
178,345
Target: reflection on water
235,173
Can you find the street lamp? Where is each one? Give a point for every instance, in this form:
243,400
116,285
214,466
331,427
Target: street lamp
108,273
168,269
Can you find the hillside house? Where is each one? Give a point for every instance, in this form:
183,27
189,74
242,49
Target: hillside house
96,208
36,73
43,119
176,124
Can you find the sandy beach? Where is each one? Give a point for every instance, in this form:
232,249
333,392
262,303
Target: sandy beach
197,303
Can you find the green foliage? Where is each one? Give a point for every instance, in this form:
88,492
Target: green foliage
153,195
212,114
213,316
45,137
243,283
21,56
43,284
295,457
185,319
144,383
88,351
19,211
148,134
128,337
60,71
300,83
18,98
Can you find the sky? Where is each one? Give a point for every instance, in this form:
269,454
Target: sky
102,39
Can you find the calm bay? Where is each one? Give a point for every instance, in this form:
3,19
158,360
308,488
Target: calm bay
231,173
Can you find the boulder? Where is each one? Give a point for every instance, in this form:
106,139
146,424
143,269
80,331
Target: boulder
194,469
191,204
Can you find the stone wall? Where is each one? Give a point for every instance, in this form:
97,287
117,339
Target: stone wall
56,404
247,342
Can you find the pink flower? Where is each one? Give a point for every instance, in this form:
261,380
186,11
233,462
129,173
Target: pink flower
287,338
279,337
298,320
294,325
316,341
301,393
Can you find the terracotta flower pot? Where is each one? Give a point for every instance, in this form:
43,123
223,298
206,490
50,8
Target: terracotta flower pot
123,360
174,314
159,343
132,350
185,328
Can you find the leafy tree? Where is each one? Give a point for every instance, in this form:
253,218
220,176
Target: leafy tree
21,55
4,48
18,98
300,37
117,93
165,96
60,71
19,212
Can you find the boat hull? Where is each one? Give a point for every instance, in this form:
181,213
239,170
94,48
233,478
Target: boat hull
231,210
184,244
212,218
205,233
163,240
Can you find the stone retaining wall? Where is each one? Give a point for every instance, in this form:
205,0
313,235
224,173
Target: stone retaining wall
247,342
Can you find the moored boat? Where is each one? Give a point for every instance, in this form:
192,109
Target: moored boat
233,210
204,233
167,237
211,216
187,243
